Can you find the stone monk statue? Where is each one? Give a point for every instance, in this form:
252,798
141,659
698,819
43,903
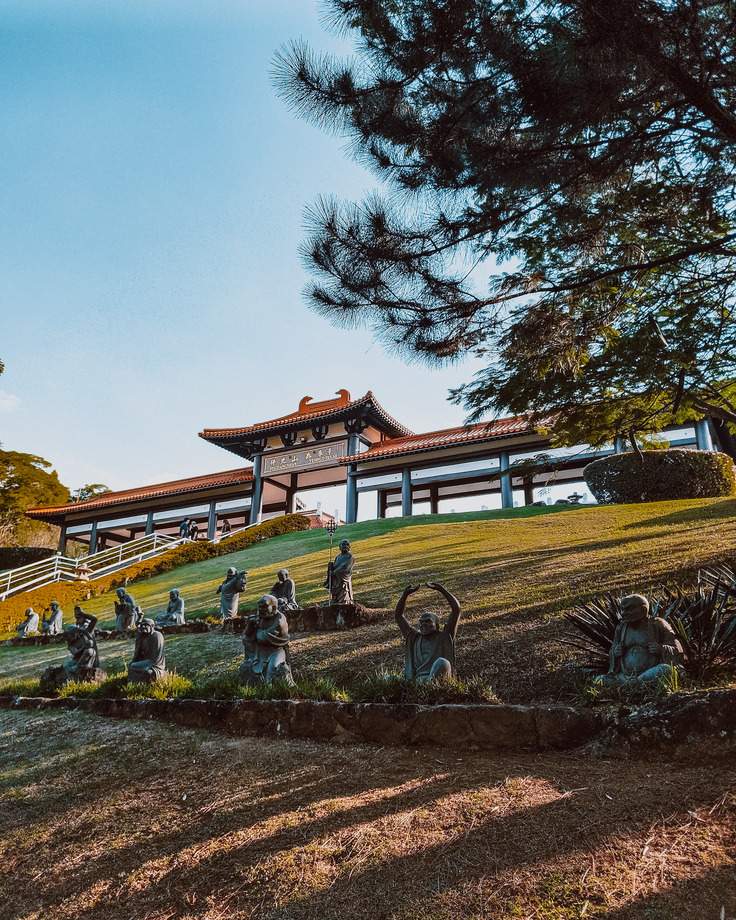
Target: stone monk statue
29,626
644,648
83,650
285,591
266,642
340,575
148,662
55,623
125,612
174,614
85,620
229,592
430,650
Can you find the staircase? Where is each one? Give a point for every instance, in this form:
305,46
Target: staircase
85,568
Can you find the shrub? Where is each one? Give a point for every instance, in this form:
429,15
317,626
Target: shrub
659,475
384,687
70,593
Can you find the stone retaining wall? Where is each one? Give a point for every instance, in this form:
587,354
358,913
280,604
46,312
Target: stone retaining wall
479,727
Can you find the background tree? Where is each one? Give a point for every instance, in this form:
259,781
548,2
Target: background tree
561,200
90,490
26,481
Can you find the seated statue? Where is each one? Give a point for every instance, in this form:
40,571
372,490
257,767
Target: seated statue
55,623
644,648
340,575
285,591
229,592
174,614
266,642
29,626
430,650
125,612
84,661
148,662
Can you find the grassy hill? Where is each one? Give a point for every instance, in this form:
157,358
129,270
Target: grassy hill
514,572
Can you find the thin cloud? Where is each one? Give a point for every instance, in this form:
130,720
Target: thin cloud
9,402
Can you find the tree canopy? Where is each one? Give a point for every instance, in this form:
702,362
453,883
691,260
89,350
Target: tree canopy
559,199
89,490
26,481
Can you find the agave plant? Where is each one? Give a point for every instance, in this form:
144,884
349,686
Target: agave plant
705,623
722,575
595,624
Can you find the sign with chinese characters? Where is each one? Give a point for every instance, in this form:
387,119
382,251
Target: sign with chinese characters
305,458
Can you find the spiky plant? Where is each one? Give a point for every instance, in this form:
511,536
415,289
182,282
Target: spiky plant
595,625
722,575
705,623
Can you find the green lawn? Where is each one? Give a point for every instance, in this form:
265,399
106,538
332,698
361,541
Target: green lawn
514,572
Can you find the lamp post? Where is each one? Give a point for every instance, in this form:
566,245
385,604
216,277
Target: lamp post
330,527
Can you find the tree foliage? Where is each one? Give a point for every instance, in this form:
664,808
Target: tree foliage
89,490
560,200
26,481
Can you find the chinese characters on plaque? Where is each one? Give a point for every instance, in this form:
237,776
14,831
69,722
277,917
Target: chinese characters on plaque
305,458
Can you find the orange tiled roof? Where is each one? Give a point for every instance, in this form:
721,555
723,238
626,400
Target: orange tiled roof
309,413
175,487
446,437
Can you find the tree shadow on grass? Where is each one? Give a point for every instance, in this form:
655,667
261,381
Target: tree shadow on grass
720,511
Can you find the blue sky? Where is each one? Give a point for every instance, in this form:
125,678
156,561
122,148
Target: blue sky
152,192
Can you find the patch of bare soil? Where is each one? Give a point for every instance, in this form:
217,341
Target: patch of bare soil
142,821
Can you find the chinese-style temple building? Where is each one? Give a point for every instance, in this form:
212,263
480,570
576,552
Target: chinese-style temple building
350,442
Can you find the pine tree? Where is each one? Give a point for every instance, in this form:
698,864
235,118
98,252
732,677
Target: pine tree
559,199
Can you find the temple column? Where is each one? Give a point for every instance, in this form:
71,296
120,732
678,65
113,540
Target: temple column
619,444
702,435
434,499
351,495
62,539
406,492
291,493
93,538
212,521
256,498
149,524
507,492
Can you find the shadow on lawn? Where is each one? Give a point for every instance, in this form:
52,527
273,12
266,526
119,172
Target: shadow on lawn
719,511
302,808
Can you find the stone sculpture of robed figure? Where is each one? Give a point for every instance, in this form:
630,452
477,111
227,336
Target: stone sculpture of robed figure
430,649
148,662
266,642
340,575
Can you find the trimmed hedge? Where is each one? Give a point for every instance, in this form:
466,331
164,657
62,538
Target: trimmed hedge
659,475
70,593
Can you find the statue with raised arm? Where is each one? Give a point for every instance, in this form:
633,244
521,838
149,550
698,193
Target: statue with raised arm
229,592
85,620
55,622
266,643
340,575
83,663
284,590
148,662
430,648
174,613
644,648
125,612
29,626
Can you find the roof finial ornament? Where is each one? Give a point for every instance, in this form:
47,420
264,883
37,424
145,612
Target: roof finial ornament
306,405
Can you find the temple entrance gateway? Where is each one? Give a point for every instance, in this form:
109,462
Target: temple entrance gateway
353,444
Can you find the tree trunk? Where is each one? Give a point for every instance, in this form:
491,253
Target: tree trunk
725,436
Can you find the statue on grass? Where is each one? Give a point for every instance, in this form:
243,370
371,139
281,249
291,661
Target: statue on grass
285,591
174,614
430,649
340,575
266,642
54,625
148,664
84,661
645,649
126,614
29,626
229,592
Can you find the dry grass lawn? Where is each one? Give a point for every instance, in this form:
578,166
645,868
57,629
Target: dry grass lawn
142,821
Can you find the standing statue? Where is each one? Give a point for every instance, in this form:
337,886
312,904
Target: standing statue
55,623
174,614
285,591
644,648
148,662
29,626
430,650
340,575
266,642
125,612
229,592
